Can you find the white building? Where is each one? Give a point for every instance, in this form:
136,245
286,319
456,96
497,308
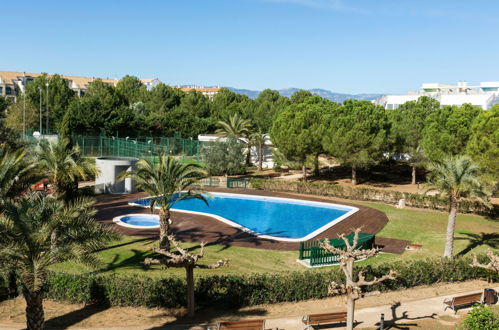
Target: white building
268,158
484,95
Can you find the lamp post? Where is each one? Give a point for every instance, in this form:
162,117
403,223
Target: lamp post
40,91
47,105
24,111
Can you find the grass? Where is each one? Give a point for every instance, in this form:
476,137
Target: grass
418,226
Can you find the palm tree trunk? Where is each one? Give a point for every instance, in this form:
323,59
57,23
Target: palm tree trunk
413,175
354,175
248,155
164,229
260,157
304,170
451,225
12,279
35,318
191,307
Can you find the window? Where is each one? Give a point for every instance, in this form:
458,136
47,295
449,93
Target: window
1,90
8,90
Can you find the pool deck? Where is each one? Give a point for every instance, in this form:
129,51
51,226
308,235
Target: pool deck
200,228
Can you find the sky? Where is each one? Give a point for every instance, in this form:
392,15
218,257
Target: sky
349,46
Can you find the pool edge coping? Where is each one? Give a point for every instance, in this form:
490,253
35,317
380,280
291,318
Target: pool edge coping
117,220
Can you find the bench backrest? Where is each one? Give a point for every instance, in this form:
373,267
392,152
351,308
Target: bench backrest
240,325
475,297
341,316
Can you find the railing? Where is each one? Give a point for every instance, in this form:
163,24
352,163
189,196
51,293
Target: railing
237,183
319,257
366,241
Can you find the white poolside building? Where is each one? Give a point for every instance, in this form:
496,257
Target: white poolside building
484,95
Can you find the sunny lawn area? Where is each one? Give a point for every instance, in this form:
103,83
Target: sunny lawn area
419,226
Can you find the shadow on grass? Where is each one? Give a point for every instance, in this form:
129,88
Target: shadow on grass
475,240
392,323
147,239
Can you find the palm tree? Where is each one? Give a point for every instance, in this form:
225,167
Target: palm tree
16,173
167,181
456,177
239,128
63,166
258,139
27,243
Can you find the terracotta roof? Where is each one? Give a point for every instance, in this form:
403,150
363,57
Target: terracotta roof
81,82
200,89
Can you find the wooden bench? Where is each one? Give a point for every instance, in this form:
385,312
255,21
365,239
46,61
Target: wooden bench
466,300
242,325
327,318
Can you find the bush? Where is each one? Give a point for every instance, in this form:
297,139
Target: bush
224,157
481,318
370,194
247,290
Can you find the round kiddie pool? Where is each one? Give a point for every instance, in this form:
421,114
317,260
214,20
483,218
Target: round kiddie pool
138,221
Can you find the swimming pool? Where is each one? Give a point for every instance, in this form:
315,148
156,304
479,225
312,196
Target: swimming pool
282,219
138,221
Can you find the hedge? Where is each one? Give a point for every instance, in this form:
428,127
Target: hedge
370,194
247,290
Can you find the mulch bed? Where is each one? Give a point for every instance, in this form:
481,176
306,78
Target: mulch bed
199,228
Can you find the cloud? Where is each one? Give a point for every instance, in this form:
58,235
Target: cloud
336,5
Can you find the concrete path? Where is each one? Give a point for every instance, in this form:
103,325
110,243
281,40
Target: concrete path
397,313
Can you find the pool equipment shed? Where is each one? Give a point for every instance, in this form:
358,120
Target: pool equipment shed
109,170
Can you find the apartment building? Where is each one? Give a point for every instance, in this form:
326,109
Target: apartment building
484,95
209,92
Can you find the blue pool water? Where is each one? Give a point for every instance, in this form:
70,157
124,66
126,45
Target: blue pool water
276,217
141,220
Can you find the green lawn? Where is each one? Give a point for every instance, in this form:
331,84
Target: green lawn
418,226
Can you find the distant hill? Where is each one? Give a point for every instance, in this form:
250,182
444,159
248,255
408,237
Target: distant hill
336,97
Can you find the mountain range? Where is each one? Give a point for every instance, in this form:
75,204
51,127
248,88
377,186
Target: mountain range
336,97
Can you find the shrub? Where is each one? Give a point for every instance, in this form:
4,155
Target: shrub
481,318
370,194
224,157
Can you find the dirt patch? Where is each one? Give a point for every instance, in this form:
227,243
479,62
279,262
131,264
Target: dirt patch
63,315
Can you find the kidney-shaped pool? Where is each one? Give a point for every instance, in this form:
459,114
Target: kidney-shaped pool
282,219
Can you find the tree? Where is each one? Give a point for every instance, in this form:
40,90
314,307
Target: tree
63,165
447,131
455,177
28,246
224,157
407,125
347,258
269,103
300,96
166,181
16,173
297,132
258,140
356,134
189,261
239,128
483,146
60,96
15,116
131,89
493,265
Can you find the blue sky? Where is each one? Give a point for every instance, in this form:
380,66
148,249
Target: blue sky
357,46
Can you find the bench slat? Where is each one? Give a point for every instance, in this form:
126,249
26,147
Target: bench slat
314,319
246,325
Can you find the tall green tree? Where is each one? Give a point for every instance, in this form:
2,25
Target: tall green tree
28,246
16,115
269,103
447,131
60,96
483,146
356,134
297,132
407,125
64,166
300,96
131,89
456,177
166,181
